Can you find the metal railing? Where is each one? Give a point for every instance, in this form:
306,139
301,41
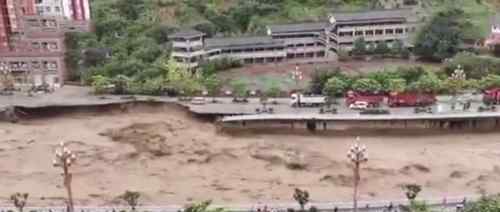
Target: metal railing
454,204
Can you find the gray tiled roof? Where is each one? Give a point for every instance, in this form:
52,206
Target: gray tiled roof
372,15
299,27
186,33
236,42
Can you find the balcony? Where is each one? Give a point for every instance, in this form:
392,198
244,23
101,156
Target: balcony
343,39
305,49
371,27
260,54
186,44
188,54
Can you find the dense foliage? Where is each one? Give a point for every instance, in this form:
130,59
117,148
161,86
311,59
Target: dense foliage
485,204
475,66
401,79
443,36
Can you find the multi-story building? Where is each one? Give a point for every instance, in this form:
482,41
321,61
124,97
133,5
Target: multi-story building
32,41
71,9
300,41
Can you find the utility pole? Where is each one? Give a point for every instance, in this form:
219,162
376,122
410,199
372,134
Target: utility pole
357,155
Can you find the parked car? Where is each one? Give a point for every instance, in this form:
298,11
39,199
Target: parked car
359,105
198,101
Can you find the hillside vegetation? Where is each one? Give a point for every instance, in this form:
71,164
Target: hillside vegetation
135,32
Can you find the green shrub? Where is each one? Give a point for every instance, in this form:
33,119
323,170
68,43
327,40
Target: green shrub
475,66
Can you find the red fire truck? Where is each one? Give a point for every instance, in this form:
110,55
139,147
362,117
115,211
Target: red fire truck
410,99
372,99
491,96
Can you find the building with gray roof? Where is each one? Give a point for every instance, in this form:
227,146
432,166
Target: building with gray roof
299,41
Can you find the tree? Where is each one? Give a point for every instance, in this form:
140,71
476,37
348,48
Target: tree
239,88
397,47
333,87
302,197
206,27
383,77
366,85
201,207
382,48
371,48
411,191
485,204
475,66
180,79
273,90
490,81
320,77
100,84
121,84
132,198
428,82
359,46
443,35
19,200
397,85
213,85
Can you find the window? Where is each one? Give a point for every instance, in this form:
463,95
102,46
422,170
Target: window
47,9
35,45
39,10
53,46
57,9
38,1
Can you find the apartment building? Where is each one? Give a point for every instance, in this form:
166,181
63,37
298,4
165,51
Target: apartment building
32,41
71,9
314,41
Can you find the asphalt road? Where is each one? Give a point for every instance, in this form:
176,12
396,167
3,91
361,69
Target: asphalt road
74,96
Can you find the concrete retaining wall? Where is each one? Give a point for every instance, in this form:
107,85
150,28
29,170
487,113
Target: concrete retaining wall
483,124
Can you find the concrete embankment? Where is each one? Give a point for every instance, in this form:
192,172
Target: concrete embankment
486,121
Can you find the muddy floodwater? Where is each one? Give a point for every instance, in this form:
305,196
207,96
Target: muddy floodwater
173,158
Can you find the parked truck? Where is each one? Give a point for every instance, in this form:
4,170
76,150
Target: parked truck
300,100
491,96
411,99
372,99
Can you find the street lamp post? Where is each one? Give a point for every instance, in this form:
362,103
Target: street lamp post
358,155
297,76
457,79
64,158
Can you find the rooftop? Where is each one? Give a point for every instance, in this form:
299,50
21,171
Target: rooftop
235,42
186,33
399,14
298,27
